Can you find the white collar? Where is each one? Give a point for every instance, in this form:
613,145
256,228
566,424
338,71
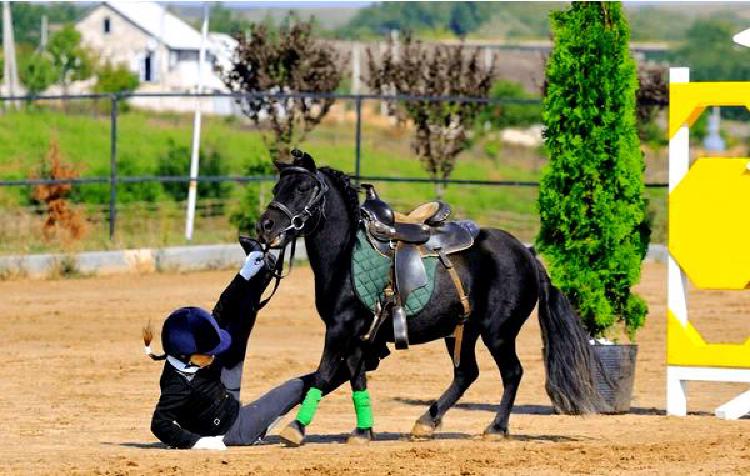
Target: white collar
182,366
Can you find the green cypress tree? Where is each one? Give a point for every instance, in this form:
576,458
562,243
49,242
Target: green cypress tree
594,228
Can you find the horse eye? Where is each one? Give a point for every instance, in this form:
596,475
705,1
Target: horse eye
303,187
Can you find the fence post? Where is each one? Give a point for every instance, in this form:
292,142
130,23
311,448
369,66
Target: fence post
358,138
113,165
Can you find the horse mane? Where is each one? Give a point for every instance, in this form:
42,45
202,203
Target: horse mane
343,183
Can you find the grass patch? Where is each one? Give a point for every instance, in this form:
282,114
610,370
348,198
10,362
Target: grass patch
144,137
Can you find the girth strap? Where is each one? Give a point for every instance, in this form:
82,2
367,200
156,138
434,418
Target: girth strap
458,333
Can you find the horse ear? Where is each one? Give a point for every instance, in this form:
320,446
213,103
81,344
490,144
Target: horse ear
304,160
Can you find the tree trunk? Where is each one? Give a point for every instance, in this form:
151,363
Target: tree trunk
439,190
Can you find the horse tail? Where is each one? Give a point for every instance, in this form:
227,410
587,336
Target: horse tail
148,336
569,361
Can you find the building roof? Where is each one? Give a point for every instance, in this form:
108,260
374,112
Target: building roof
155,20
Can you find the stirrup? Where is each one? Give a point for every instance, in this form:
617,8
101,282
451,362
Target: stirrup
400,334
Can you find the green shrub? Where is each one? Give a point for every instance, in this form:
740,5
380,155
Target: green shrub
136,191
247,213
115,79
127,192
594,229
510,115
492,148
176,162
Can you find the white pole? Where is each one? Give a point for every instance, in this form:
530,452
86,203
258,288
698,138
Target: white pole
43,34
10,74
355,68
679,164
192,189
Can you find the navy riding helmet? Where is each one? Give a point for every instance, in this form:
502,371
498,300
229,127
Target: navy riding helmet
192,330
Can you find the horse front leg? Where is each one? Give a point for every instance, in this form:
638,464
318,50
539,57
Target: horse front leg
331,374
362,433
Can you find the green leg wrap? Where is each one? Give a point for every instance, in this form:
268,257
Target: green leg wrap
309,406
363,408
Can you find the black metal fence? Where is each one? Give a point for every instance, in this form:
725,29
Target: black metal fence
114,178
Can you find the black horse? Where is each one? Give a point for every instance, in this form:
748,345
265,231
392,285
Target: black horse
501,276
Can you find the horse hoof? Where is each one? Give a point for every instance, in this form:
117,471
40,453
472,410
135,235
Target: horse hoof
293,435
495,434
424,428
360,436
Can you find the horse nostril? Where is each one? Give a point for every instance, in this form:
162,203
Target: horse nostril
267,224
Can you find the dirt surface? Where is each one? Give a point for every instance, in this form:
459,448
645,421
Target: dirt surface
76,392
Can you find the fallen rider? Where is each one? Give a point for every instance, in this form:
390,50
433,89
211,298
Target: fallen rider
200,385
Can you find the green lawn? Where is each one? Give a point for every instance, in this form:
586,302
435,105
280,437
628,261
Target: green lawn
143,137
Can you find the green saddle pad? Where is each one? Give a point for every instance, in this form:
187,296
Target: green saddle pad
371,271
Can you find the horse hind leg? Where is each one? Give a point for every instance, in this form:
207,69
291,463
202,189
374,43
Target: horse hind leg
503,350
463,376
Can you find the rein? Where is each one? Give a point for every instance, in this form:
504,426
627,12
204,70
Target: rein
297,223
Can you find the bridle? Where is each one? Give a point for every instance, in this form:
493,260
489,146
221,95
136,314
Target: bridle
315,206
316,202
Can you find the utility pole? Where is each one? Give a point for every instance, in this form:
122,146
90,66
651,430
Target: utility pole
355,67
10,72
43,34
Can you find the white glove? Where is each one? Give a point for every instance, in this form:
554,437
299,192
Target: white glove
210,443
253,263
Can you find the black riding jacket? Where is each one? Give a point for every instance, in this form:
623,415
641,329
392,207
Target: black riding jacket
190,408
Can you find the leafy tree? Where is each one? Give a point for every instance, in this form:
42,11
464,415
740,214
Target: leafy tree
71,60
594,230
712,56
510,115
227,21
465,17
441,127
291,61
37,73
27,18
460,18
651,98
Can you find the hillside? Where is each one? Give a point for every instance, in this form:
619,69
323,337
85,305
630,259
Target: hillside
650,21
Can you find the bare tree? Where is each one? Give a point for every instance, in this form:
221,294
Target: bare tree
60,215
291,60
441,127
652,95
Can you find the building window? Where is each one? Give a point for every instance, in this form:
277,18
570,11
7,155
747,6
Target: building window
148,68
107,26
187,55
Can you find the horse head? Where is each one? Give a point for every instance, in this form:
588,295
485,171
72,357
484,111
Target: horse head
298,202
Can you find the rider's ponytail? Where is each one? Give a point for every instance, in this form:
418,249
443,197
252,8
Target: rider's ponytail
148,336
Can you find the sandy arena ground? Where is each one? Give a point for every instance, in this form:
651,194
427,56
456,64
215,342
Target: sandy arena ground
76,392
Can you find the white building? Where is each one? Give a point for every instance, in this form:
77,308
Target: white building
161,49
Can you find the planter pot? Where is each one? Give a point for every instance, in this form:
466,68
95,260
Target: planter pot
618,363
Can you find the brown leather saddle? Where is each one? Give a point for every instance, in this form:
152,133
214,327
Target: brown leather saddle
406,239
